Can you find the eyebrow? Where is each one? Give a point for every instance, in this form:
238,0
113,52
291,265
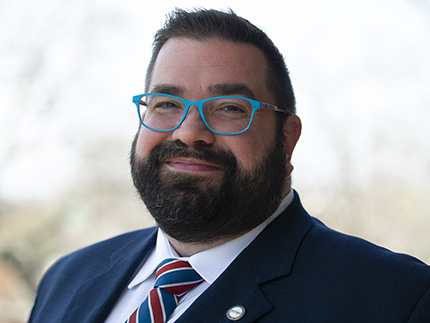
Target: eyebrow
230,89
168,89
215,90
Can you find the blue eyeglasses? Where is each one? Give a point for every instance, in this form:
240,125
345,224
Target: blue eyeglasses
224,115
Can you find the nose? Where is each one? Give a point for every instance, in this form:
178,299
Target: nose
193,130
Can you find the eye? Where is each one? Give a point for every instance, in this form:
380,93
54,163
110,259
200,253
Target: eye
232,109
167,105
162,105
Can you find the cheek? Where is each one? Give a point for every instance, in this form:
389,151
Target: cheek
252,146
147,140
248,150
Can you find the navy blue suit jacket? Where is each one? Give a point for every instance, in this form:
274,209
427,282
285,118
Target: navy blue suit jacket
296,270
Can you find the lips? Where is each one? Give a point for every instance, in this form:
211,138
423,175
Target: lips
192,165
176,156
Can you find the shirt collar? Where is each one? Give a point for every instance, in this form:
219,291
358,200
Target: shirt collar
162,250
220,256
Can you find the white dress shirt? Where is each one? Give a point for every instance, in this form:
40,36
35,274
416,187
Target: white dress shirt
210,264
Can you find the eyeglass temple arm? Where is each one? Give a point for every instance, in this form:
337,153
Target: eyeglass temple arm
272,107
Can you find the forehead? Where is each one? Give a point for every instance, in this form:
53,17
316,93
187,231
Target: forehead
199,65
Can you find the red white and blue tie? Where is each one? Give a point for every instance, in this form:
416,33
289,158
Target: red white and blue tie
173,279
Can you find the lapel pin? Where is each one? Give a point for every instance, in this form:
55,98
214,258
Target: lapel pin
235,313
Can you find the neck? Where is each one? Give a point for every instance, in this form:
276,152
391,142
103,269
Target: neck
187,249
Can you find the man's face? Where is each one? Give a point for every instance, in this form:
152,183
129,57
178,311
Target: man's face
197,184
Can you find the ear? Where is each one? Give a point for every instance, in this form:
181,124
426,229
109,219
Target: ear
292,131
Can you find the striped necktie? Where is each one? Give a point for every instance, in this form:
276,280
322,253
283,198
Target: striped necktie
173,279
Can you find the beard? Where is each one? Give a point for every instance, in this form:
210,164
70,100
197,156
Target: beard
194,209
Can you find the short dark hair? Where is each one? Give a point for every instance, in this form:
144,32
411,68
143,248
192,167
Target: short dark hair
203,24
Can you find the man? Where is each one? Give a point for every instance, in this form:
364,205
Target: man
211,161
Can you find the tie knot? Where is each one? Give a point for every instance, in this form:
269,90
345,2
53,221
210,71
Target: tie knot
176,276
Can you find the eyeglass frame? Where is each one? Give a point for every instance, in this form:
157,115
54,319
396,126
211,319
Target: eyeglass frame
256,105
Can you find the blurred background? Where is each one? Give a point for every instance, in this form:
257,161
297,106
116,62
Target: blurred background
68,71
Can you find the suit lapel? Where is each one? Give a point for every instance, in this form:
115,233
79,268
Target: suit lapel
95,298
272,253
235,287
240,284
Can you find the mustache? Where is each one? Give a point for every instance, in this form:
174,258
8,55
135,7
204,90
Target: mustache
172,149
